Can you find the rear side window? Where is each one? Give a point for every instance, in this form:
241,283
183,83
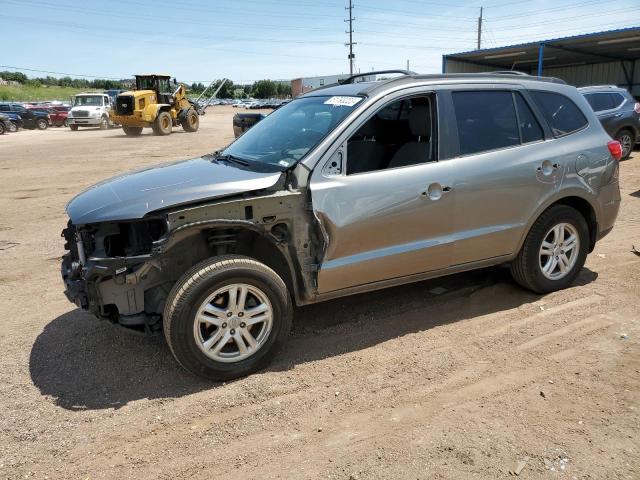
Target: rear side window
600,101
486,120
560,112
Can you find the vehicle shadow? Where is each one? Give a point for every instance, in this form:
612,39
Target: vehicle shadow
86,364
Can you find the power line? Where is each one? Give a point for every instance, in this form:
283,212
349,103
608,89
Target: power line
59,73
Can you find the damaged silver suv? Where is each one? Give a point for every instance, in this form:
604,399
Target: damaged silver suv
347,189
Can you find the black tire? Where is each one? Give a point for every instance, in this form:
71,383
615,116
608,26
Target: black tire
526,268
3,129
13,127
192,289
628,140
191,122
42,124
104,123
162,125
132,131
65,123
74,127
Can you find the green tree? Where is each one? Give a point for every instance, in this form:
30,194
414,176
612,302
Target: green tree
264,89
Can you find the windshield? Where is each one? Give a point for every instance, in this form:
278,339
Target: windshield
88,101
289,133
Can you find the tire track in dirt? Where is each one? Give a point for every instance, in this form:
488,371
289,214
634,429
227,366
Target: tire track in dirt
455,388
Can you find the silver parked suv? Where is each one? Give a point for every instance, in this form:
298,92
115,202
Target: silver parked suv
347,189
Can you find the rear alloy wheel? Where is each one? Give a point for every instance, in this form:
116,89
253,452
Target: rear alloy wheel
132,131
627,141
13,127
163,124
104,123
65,123
192,121
227,317
554,251
42,124
3,129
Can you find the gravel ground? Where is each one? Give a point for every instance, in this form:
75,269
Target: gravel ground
460,377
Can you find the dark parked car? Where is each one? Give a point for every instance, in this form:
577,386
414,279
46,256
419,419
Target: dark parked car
32,118
5,124
244,121
618,112
16,121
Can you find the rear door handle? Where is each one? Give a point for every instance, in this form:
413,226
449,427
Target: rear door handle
435,191
547,167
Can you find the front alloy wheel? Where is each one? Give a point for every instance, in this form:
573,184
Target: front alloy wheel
233,323
227,317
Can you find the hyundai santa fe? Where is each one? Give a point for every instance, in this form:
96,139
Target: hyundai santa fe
347,189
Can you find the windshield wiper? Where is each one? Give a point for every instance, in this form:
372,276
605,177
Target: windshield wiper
231,159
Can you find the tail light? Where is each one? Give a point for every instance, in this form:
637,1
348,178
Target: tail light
615,149
636,108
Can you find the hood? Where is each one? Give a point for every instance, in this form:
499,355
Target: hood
133,195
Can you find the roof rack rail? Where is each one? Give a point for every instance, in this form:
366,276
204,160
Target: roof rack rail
509,72
378,72
598,86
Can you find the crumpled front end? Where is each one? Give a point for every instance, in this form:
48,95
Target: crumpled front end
107,269
71,269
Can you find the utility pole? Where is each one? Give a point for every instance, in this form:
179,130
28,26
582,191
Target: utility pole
480,29
351,43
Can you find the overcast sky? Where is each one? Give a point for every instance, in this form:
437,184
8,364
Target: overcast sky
246,40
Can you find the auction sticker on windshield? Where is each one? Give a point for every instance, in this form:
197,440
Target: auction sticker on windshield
343,101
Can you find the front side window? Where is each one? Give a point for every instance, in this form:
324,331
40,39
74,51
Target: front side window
285,136
400,134
560,112
486,120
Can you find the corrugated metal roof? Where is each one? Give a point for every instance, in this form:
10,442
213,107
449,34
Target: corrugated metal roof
552,40
610,45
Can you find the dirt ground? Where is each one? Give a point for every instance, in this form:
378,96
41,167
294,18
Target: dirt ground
460,377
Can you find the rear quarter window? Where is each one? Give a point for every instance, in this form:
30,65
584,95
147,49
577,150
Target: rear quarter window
562,115
617,99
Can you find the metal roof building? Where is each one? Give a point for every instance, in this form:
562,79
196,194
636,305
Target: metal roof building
600,58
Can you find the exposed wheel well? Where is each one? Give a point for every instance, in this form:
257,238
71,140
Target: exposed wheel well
241,241
585,208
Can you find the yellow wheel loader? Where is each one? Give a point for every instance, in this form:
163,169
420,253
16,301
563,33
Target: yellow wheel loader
157,102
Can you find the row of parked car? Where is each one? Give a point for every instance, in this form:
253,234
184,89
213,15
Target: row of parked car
252,104
42,115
